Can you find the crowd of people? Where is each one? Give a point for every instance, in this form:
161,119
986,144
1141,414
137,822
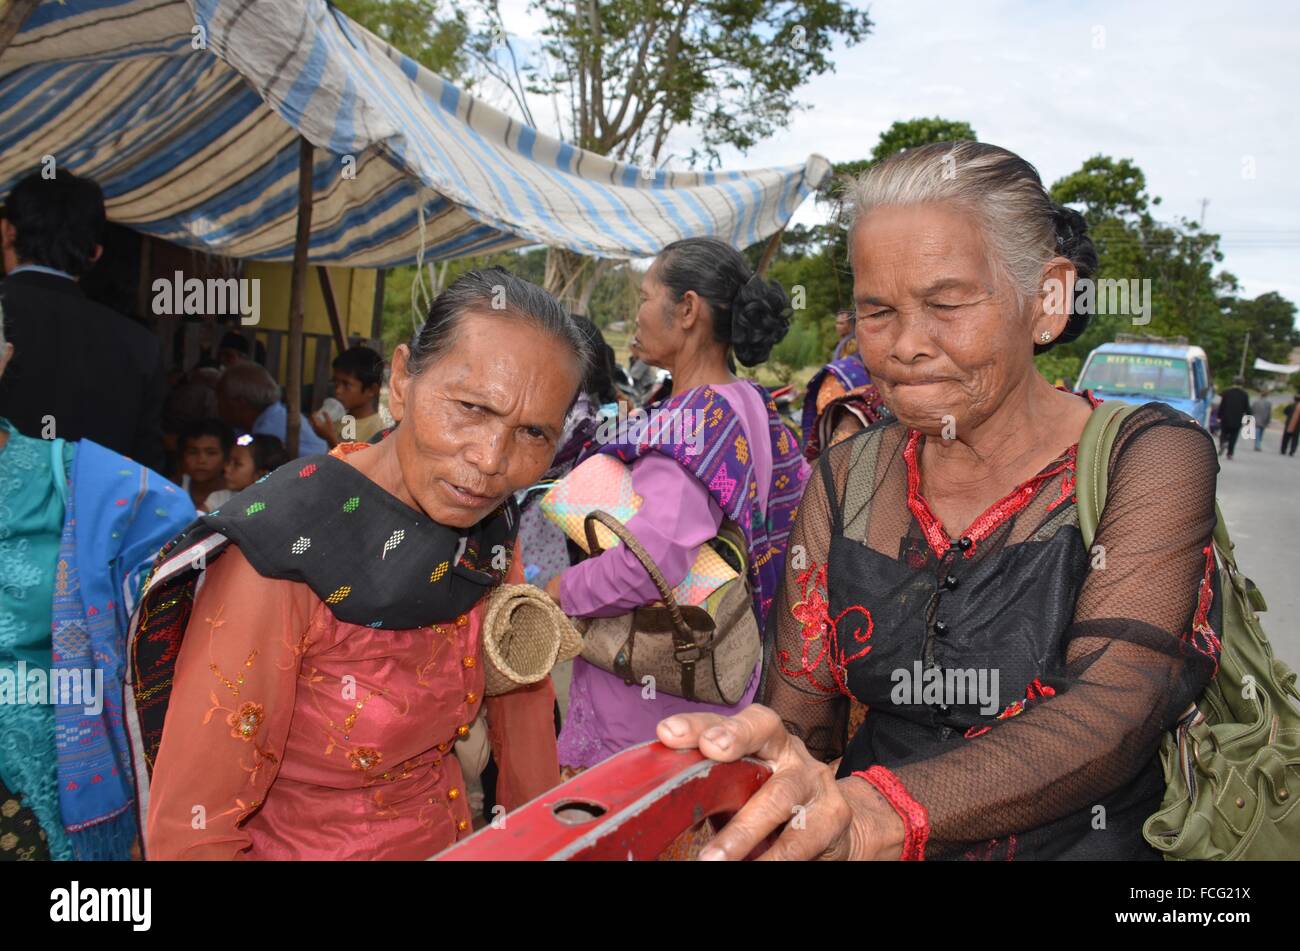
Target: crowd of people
1235,407
309,651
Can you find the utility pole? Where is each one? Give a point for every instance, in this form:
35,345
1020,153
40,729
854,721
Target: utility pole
1244,348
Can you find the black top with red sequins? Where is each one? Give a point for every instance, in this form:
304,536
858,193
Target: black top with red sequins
1015,682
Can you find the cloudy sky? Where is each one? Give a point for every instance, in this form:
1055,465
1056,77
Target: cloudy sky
1201,94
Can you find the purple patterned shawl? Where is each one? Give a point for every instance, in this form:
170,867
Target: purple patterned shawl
850,371
723,463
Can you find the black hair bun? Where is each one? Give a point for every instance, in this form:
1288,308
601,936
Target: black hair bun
760,319
1073,242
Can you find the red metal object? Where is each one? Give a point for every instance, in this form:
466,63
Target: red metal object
631,807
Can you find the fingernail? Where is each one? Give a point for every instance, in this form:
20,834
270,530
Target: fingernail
719,737
713,854
674,726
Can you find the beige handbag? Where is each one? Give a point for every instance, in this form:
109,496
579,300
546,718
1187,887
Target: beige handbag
705,653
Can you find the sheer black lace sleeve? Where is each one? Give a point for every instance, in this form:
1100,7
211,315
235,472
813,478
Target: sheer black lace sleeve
1141,648
797,682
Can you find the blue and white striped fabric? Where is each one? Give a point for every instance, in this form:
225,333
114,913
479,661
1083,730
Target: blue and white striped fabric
199,146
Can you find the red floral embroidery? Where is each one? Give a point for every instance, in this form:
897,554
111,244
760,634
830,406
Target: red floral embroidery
821,636
307,470
988,851
1202,636
1036,691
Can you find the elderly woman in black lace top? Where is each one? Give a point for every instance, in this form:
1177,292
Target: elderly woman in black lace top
1017,684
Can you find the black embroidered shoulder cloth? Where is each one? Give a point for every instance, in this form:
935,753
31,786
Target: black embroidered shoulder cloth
1016,683
371,558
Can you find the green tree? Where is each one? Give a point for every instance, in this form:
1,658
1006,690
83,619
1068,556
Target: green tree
1270,321
1106,188
431,32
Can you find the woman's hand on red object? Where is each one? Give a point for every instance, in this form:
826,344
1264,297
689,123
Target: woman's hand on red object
817,817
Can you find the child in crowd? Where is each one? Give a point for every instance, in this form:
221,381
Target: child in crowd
205,447
358,377
251,458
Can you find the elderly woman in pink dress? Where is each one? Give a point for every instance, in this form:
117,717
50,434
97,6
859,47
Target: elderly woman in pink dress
701,304
304,701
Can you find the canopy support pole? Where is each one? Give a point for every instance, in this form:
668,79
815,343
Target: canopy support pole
297,296
13,17
331,307
769,252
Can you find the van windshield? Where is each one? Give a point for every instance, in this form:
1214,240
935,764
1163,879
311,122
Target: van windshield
1138,374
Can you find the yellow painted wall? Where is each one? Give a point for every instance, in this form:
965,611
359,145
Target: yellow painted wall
354,294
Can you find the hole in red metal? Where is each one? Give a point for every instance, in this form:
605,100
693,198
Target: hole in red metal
575,812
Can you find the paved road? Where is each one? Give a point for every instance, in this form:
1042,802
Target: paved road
1259,493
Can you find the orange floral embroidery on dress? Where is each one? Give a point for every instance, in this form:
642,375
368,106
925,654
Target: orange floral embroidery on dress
246,721
364,758
215,623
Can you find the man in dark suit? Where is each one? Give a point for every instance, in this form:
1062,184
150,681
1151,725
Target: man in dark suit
1233,408
79,370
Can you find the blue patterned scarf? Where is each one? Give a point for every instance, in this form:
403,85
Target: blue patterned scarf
118,515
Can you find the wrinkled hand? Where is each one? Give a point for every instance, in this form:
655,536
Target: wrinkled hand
836,820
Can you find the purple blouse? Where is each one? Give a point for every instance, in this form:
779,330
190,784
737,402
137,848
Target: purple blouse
606,715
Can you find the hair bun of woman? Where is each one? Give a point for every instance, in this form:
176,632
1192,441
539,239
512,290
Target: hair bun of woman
1073,242
760,319
1072,239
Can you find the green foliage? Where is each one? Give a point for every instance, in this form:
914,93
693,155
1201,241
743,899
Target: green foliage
633,70
1059,367
615,296
1189,297
430,32
912,133
1270,320
903,134
1105,188
801,347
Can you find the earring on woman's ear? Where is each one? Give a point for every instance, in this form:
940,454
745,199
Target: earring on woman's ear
1045,336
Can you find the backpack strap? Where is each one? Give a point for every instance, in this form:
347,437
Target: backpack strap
1092,464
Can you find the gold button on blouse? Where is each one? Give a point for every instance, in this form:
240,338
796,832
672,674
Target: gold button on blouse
453,793
471,697
462,825
462,730
468,662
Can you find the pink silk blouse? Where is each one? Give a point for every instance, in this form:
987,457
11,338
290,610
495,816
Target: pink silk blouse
293,735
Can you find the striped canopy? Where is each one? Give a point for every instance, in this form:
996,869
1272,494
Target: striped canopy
188,113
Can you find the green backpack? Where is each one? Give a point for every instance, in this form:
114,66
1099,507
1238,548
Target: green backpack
1232,764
